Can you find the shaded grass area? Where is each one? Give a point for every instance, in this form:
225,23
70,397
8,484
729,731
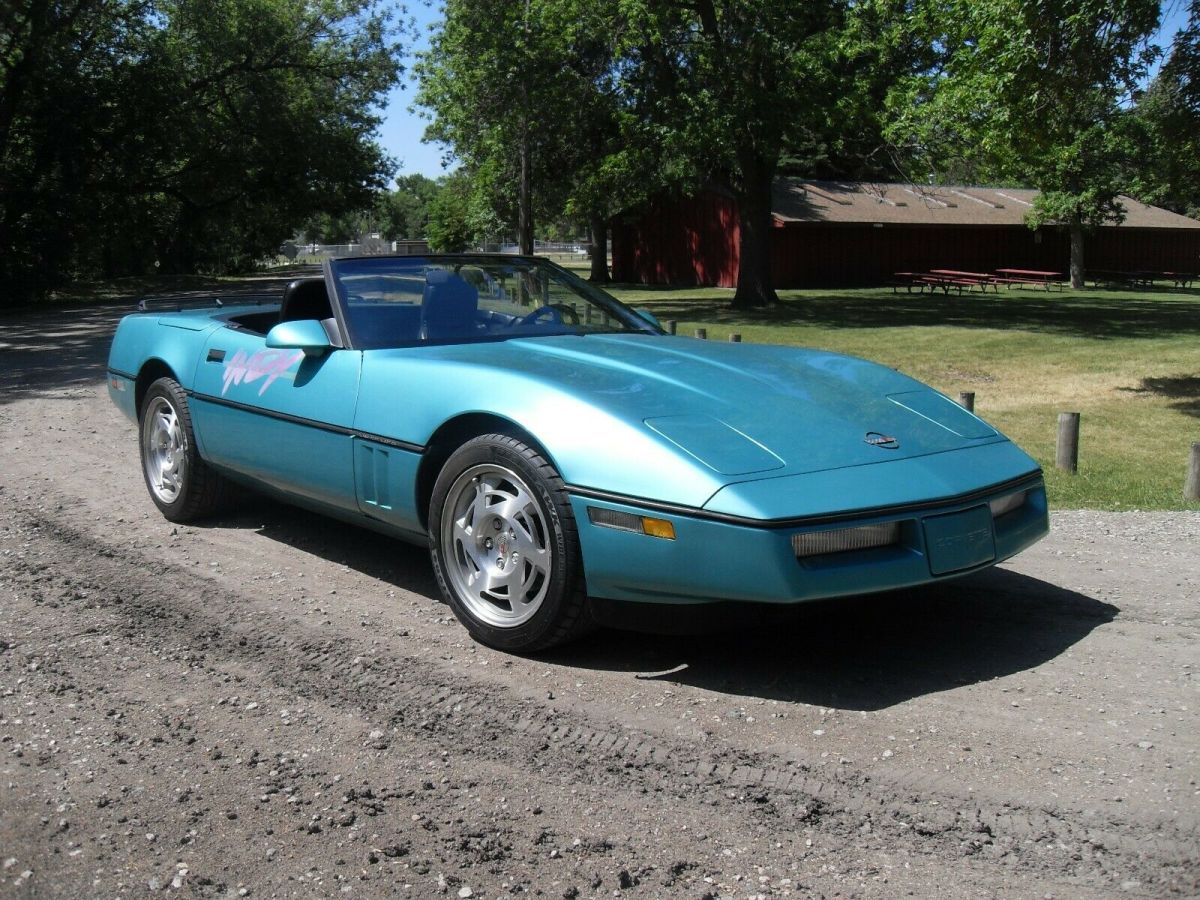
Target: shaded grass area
1128,361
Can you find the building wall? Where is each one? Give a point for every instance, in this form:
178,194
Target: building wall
853,254
696,242
690,241
862,254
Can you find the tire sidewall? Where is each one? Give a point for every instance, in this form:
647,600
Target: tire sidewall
169,390
564,573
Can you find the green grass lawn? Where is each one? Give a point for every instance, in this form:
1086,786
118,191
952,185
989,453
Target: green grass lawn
1128,361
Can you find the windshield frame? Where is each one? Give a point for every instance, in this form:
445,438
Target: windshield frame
633,321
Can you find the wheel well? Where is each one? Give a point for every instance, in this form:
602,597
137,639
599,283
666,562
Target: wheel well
153,370
451,435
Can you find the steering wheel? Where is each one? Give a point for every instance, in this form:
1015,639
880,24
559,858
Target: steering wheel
553,312
542,312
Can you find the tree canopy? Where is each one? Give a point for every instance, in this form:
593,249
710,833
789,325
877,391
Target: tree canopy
1168,173
182,134
1033,91
729,84
191,135
593,107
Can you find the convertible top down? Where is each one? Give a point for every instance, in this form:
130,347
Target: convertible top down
550,444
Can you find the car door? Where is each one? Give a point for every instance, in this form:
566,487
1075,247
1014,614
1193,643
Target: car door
277,416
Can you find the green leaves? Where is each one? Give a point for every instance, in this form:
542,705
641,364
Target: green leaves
1032,91
523,92
1168,173
187,134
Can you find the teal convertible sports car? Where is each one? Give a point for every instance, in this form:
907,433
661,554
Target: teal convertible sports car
551,445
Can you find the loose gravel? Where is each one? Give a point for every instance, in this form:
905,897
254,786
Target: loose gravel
274,705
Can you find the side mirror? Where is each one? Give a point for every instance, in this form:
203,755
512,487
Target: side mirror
304,334
649,317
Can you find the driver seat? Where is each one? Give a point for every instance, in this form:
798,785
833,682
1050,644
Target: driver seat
448,307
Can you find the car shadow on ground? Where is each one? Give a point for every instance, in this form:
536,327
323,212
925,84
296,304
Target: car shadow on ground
398,564
859,653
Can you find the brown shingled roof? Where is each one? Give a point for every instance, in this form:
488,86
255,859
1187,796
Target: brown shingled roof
865,202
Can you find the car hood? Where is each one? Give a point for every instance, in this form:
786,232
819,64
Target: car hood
739,409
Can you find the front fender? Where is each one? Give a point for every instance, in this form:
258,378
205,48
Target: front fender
590,446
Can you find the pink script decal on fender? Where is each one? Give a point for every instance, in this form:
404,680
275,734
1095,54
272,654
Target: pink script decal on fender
270,364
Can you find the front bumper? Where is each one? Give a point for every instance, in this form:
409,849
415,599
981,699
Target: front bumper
714,559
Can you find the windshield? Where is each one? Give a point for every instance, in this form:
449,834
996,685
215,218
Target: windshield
405,301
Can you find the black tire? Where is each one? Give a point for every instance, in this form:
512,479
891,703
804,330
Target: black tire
500,517
181,484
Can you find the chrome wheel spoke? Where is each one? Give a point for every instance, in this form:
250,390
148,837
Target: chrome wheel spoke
479,508
164,448
494,537
482,582
513,508
526,543
464,537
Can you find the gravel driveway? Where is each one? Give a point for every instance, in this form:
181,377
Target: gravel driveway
276,705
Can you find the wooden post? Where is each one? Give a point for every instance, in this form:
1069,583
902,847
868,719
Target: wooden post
735,338
1067,457
672,325
966,399
1191,486
702,333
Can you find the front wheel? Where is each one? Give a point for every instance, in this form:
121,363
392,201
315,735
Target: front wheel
504,546
181,484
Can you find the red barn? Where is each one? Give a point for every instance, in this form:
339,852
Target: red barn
847,233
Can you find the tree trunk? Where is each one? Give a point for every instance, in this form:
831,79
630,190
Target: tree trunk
1076,253
525,198
755,285
599,249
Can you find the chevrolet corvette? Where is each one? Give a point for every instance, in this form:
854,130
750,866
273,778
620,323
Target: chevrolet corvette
551,445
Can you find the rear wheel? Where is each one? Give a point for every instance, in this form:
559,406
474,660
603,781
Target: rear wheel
504,546
181,484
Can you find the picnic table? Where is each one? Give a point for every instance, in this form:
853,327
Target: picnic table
1029,276
983,279
945,279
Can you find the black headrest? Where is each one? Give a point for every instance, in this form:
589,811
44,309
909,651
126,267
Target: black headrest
305,298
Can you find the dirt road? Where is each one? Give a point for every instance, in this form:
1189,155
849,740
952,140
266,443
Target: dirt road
276,705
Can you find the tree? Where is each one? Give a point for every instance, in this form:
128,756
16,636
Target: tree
187,134
612,161
491,82
63,68
1169,170
844,135
405,211
450,228
1034,91
725,82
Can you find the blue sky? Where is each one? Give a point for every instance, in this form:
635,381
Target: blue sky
401,131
